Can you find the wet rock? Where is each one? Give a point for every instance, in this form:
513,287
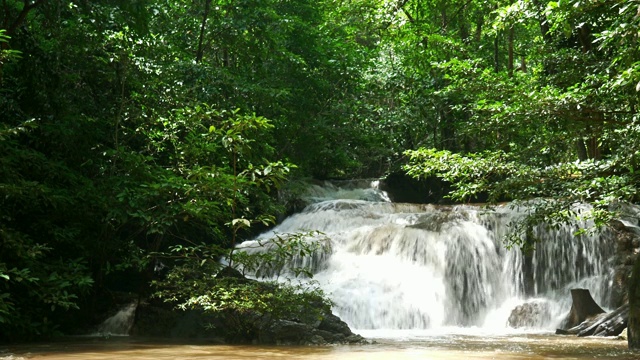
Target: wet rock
623,335
628,244
156,319
331,330
333,324
286,332
530,314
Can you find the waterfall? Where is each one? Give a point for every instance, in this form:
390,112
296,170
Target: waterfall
416,266
120,323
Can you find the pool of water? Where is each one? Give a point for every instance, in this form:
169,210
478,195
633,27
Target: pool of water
387,345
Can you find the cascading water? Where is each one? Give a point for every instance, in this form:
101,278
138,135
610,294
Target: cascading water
410,266
120,323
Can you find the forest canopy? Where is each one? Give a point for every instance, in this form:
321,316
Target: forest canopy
131,127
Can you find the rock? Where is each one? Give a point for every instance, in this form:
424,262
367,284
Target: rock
333,324
317,340
286,332
529,314
229,272
623,335
330,330
157,319
355,339
627,237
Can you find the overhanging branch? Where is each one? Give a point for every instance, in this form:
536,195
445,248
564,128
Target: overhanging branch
28,5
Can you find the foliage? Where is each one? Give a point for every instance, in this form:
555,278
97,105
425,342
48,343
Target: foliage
37,283
241,306
287,254
552,194
560,132
6,55
119,165
131,128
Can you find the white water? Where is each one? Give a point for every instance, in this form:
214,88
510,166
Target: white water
120,323
436,268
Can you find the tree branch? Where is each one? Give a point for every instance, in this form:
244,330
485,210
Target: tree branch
5,18
400,6
444,26
22,16
205,17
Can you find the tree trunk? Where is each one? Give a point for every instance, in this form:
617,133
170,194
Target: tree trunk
593,147
582,150
478,32
203,25
523,64
511,34
584,34
587,318
496,54
610,324
542,19
582,308
634,307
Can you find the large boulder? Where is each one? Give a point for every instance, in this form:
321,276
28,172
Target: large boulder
310,322
157,320
530,314
627,237
331,330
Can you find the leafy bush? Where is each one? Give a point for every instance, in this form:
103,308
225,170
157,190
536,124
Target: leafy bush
241,306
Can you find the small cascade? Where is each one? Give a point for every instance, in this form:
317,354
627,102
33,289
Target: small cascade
368,190
410,266
120,323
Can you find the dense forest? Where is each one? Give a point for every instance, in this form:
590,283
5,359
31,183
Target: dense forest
133,130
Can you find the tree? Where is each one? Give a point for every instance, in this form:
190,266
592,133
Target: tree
563,132
130,128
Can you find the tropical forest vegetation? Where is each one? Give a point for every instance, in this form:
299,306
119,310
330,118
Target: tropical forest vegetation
135,133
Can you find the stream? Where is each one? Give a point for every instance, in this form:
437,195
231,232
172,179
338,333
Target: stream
388,345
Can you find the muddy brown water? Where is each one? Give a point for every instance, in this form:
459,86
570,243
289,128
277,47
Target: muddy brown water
394,346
